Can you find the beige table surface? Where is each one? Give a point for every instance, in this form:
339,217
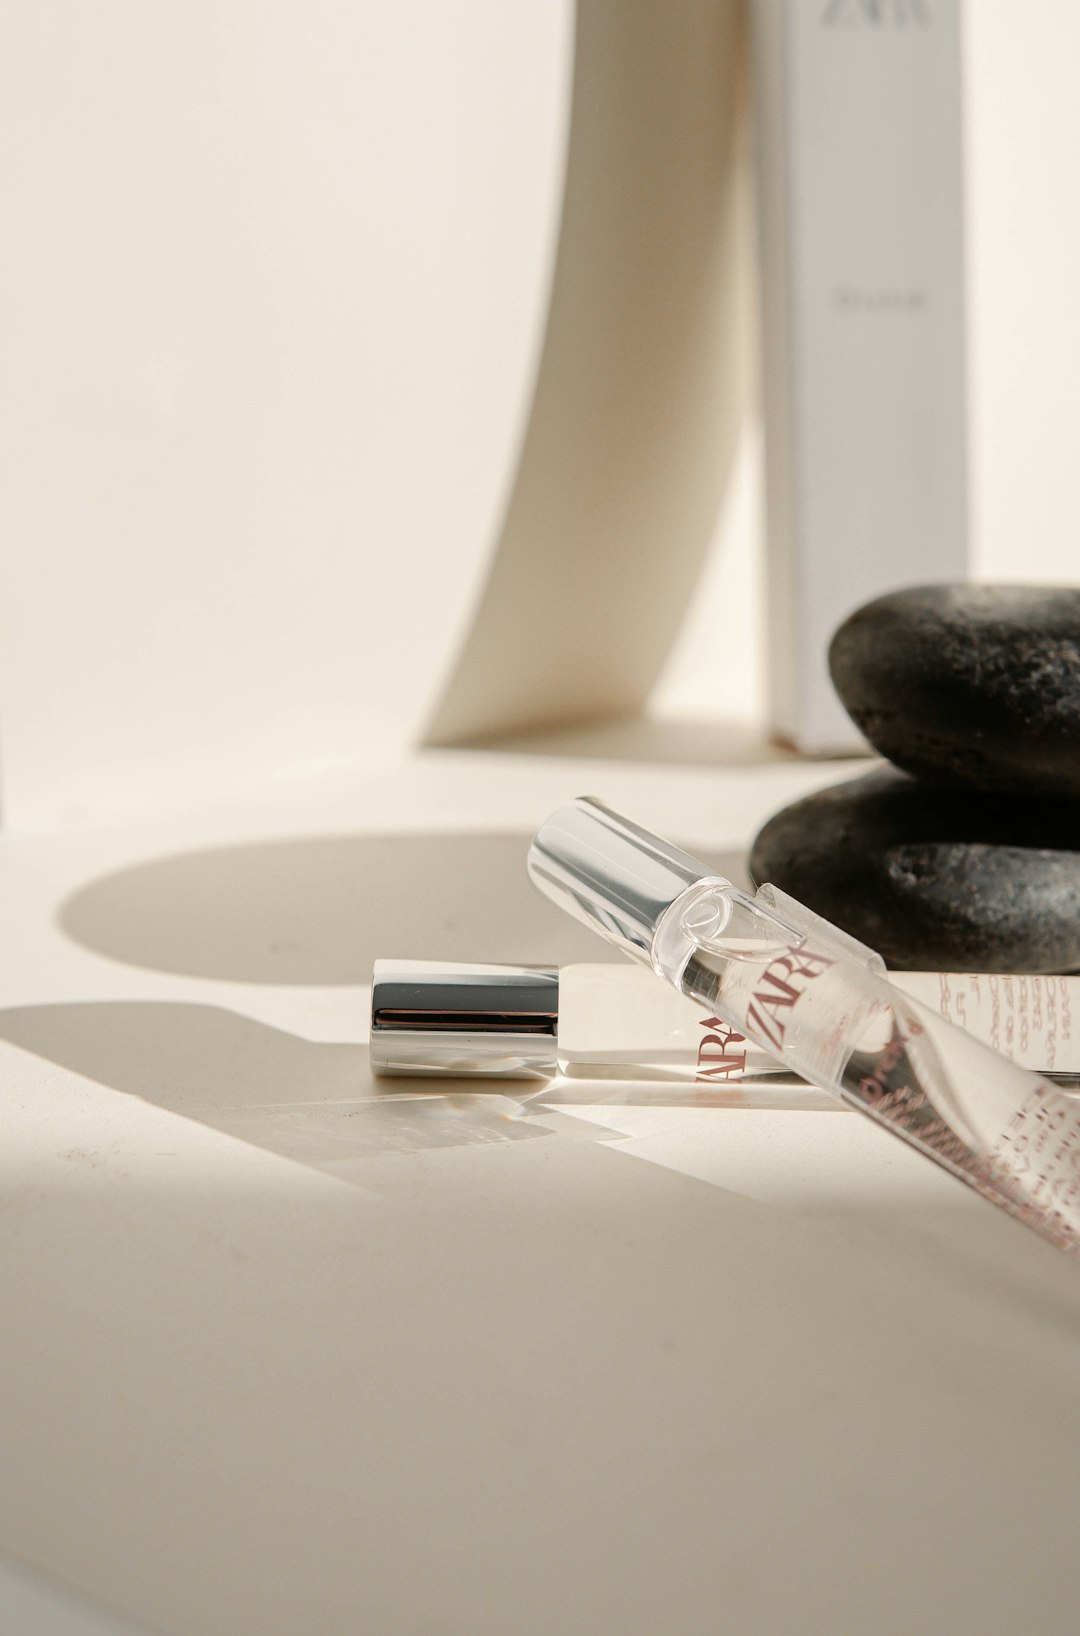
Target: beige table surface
281,1356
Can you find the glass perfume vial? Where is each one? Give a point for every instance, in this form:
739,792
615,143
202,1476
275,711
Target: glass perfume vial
802,989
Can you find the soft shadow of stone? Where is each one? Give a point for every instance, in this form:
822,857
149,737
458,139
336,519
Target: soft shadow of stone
669,742
321,909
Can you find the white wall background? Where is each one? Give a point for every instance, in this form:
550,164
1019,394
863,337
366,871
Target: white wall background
271,304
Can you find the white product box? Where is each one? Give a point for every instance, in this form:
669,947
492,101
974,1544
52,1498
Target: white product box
861,245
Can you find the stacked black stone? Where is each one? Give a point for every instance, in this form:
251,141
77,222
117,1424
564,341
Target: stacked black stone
967,859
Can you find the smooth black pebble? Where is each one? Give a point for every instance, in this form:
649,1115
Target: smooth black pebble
948,880
974,685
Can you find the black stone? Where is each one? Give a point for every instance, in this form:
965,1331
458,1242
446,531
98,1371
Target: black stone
974,685
949,880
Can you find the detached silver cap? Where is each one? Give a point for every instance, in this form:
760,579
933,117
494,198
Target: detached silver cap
608,872
463,1021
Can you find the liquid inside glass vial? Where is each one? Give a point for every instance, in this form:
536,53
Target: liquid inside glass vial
802,990
794,990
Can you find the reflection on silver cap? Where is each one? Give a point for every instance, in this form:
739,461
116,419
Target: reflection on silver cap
452,1020
609,873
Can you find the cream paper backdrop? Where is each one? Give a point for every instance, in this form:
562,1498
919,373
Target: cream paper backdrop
273,294
274,299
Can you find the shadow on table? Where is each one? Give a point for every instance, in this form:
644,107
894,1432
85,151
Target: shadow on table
306,911
318,1105
319,910
314,1103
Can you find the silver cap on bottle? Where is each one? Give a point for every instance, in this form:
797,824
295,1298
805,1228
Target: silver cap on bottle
451,1020
610,873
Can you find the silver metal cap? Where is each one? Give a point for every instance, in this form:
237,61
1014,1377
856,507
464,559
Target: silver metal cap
464,1021
608,872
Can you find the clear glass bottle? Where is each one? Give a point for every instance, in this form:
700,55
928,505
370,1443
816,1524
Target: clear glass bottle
801,989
